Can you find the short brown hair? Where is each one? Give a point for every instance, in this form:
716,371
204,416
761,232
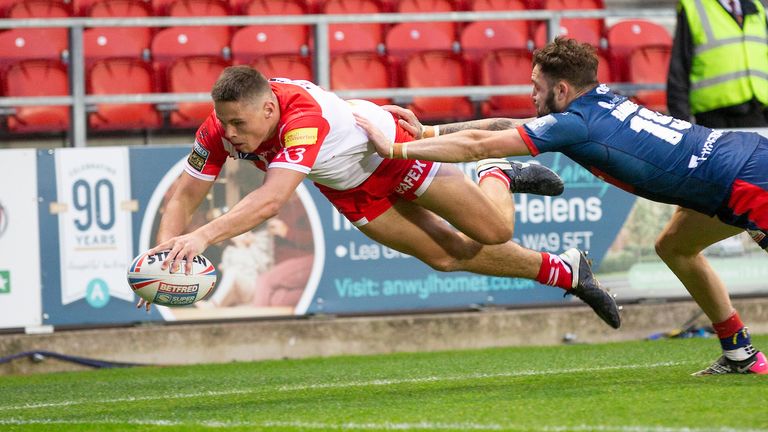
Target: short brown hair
237,83
569,60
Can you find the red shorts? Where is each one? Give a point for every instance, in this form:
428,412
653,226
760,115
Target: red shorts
393,179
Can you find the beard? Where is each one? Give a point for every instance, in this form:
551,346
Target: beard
549,105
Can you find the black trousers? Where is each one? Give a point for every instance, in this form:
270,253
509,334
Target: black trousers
750,114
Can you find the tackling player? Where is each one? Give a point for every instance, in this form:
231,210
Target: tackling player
705,172
295,130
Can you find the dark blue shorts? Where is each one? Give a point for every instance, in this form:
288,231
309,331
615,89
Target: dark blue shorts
747,203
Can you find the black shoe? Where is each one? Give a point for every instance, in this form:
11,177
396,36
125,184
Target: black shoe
588,289
525,177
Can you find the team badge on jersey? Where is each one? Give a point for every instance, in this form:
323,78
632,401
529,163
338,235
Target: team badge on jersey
300,136
198,157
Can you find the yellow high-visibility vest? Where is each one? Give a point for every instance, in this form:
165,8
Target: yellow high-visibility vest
730,64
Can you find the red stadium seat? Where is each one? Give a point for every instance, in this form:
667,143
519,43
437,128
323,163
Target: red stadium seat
270,7
272,51
37,78
604,71
649,64
361,71
523,27
431,6
26,44
202,8
482,37
365,37
39,9
574,29
113,42
160,7
284,66
254,41
623,37
595,25
117,41
173,43
112,8
42,9
407,39
193,75
5,6
119,8
437,69
133,76
507,67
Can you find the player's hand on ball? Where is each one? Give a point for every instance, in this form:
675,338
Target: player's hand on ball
407,120
383,144
181,248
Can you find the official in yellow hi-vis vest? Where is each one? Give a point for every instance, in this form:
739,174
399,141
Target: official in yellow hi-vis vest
718,73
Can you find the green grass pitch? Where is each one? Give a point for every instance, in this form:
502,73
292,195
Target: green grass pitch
626,387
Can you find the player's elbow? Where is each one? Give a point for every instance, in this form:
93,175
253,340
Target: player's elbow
270,208
484,146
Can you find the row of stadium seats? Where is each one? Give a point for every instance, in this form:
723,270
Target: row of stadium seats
248,42
63,8
188,59
348,71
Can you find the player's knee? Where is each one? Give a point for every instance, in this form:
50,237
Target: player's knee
494,235
443,264
668,248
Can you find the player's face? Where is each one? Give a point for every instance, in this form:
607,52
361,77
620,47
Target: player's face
247,124
543,93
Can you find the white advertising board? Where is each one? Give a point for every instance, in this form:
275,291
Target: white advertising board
95,233
20,290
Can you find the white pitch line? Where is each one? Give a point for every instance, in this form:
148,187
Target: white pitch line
429,426
382,382
474,376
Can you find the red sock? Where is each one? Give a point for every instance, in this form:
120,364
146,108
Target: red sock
729,327
496,173
555,272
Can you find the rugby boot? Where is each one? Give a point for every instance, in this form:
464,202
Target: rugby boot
588,289
525,177
756,364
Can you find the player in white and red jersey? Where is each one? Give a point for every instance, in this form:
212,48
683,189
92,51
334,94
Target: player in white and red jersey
295,130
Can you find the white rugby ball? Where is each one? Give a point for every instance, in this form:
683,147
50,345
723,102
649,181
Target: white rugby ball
162,287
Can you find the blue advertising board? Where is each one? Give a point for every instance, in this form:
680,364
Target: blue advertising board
340,270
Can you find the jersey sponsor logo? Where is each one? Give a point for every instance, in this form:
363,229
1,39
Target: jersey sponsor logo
706,149
198,157
299,137
412,178
541,124
602,89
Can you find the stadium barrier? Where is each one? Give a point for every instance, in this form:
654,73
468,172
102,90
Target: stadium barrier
80,101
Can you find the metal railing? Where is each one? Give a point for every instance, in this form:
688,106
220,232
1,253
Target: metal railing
79,100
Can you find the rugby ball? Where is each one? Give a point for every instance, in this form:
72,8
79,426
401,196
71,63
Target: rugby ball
166,288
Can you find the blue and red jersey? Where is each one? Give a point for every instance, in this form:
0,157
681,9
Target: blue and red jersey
644,152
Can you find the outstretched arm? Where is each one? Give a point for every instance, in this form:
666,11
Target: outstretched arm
462,146
255,208
408,120
489,124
